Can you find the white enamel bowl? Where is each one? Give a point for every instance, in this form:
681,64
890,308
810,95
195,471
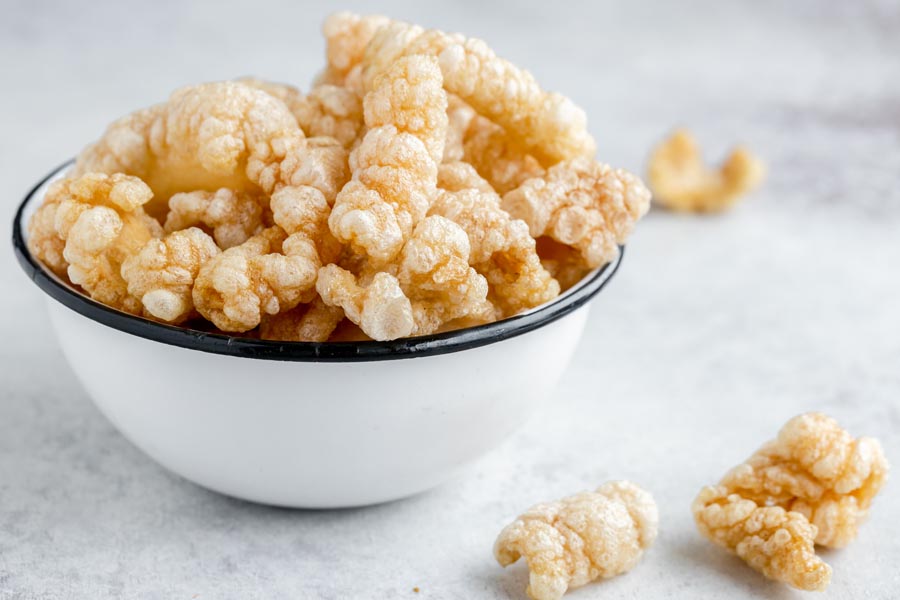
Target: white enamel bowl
306,424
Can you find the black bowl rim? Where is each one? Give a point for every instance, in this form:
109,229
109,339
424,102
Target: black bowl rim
428,345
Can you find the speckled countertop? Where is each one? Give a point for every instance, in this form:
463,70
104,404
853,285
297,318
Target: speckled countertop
715,331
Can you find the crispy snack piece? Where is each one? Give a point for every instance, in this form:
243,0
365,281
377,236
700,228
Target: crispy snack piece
458,176
680,181
501,249
262,275
497,157
435,275
395,166
273,271
44,242
204,137
775,542
233,217
378,306
291,96
433,286
459,117
161,275
816,468
571,542
346,38
313,322
331,111
584,204
547,125
564,263
99,222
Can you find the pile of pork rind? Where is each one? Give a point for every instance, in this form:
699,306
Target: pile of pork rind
422,185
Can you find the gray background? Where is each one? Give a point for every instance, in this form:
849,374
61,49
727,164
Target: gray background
715,332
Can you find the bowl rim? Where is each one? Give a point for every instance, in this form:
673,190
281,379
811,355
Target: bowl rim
364,351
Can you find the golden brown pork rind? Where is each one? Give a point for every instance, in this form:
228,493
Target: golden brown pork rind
777,543
313,322
99,222
680,181
571,542
161,274
547,125
501,249
233,217
818,469
584,204
395,166
814,476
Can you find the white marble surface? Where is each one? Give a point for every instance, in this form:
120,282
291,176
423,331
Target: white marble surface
715,331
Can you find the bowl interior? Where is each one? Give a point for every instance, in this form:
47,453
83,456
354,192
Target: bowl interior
205,341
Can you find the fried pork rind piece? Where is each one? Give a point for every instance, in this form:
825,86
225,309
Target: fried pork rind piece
777,543
233,289
331,111
99,222
215,135
435,275
571,542
204,137
584,204
313,322
564,263
346,37
459,117
458,176
501,249
497,157
433,286
289,94
680,181
273,271
816,468
548,125
161,275
44,242
233,217
378,306
395,166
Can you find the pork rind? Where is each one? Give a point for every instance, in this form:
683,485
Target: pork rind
815,471
571,542
680,181
458,176
233,217
378,306
346,38
433,286
386,173
547,125
292,97
313,322
331,111
497,157
204,137
583,204
161,275
273,271
459,117
98,221
395,166
501,249
777,543
816,468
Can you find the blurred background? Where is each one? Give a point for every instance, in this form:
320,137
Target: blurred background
715,331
